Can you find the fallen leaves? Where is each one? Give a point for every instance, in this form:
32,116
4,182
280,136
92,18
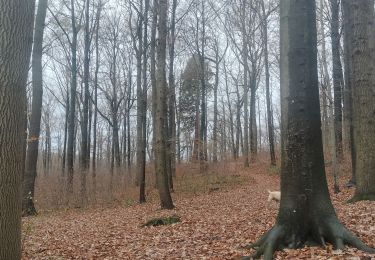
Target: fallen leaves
214,225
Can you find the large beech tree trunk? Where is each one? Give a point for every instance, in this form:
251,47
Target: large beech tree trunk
306,212
362,53
15,48
28,207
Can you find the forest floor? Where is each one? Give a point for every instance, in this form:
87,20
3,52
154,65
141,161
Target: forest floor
220,212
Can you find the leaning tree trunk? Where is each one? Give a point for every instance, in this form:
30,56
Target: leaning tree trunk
306,212
15,48
161,109
362,53
28,207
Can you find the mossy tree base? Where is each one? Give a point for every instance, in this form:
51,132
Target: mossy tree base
284,236
162,221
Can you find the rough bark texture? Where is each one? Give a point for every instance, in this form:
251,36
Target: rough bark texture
161,109
15,48
362,53
306,212
28,207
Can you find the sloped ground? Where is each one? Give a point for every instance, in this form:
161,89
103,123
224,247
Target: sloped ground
215,223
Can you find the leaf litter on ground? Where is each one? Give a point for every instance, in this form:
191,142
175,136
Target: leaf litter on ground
213,225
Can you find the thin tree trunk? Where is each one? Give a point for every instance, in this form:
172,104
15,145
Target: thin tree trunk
85,155
72,105
348,102
140,123
271,139
172,94
245,85
28,207
253,120
338,81
97,65
143,48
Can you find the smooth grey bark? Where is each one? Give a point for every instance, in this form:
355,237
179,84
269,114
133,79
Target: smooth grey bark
161,108
306,212
15,47
28,207
362,53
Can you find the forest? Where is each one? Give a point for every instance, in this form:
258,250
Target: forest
187,129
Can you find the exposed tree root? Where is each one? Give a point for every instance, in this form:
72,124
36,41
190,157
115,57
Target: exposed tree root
281,236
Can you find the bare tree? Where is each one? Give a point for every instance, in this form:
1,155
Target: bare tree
28,207
161,108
